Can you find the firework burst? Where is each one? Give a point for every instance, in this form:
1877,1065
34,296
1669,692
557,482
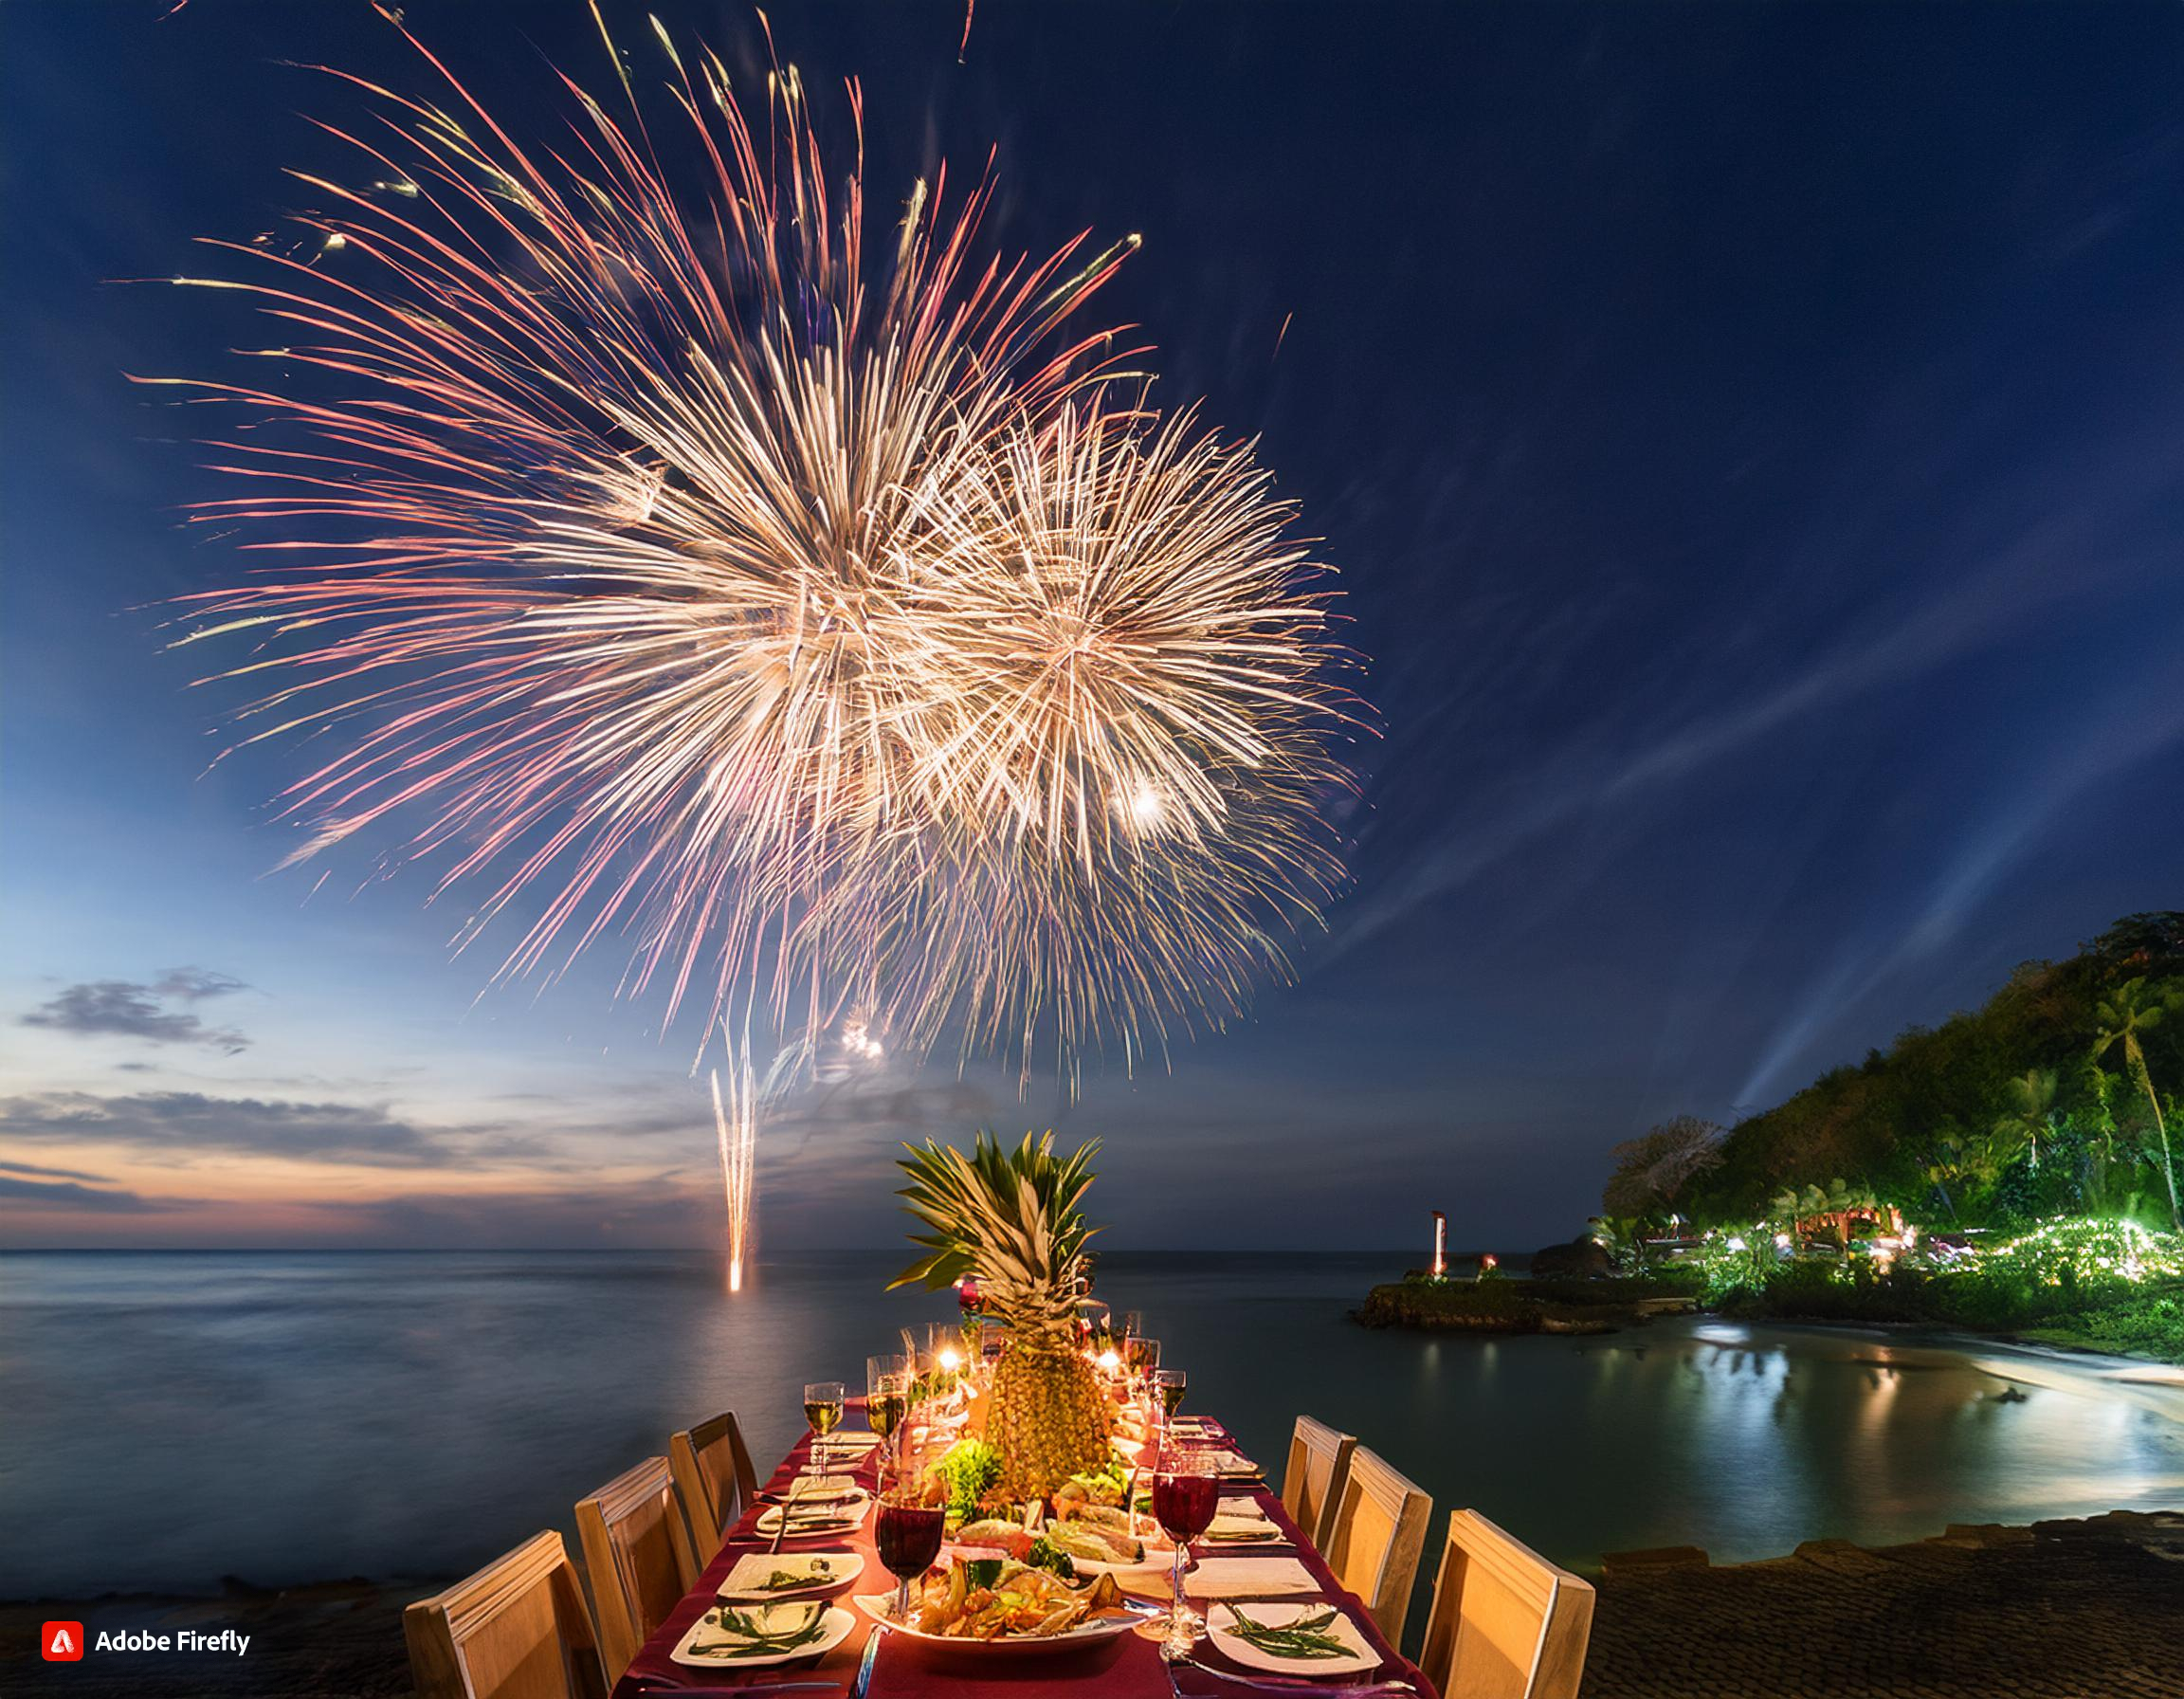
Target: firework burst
679,572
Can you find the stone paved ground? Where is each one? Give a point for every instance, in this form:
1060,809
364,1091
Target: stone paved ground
2069,1610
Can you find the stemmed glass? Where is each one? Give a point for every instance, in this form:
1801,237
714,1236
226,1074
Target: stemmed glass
886,1395
908,1534
1168,1386
1142,1355
1185,1492
823,1410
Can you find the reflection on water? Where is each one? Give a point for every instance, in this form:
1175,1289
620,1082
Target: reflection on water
169,1418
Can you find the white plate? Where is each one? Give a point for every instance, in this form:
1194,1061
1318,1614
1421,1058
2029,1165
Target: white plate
1098,1631
825,1489
1220,1618
819,1520
745,1582
1158,1559
835,1624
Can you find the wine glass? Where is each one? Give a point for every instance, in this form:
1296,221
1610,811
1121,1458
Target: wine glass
1133,1326
886,1395
1185,1491
1168,1385
908,1534
823,1410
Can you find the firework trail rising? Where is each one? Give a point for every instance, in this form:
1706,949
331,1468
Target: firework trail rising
667,570
736,1124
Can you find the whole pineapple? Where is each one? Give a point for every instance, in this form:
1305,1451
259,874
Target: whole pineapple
1010,1221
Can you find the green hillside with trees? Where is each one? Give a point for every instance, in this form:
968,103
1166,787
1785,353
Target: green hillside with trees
2012,1170
2055,1098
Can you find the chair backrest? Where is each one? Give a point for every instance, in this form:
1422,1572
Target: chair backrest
516,1629
1505,1622
713,1470
1377,1538
1312,1485
638,1556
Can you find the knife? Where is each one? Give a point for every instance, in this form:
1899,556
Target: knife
863,1682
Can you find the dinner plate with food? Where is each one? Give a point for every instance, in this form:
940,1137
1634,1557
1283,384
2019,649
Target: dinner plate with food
998,1534
1314,1639
1105,1486
806,1520
1101,1540
998,1606
761,1575
756,1636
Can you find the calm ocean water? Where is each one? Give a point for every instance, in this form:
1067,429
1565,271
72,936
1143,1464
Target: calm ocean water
169,1419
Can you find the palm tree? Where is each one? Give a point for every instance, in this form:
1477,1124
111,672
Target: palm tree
2031,1107
1942,1162
2128,1013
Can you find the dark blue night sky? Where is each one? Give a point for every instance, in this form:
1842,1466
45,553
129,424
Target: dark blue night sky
1751,437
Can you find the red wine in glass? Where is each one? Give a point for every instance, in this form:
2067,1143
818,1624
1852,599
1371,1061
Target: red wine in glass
1183,1504
908,1537
1185,1493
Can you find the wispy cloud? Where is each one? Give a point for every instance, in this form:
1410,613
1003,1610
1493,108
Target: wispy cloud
46,1173
195,984
2142,720
182,1124
128,1009
43,1195
2053,539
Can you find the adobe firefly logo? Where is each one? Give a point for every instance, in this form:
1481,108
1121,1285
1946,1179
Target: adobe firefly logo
61,1642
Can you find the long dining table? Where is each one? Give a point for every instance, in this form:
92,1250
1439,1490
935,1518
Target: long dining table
1127,1667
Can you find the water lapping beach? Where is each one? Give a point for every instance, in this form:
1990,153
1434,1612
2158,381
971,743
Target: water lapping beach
174,1418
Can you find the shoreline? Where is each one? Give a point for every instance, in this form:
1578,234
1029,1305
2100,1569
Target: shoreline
1518,1305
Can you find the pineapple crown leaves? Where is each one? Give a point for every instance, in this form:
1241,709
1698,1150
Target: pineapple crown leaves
1008,1219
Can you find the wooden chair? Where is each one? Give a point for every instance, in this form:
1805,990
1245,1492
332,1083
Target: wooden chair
516,1629
713,1471
1505,1622
638,1555
1318,1467
1376,1537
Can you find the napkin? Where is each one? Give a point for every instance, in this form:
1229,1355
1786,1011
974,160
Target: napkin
1242,1527
1249,1577
811,1519
813,1490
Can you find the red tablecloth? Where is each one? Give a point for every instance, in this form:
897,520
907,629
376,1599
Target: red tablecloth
1127,1668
